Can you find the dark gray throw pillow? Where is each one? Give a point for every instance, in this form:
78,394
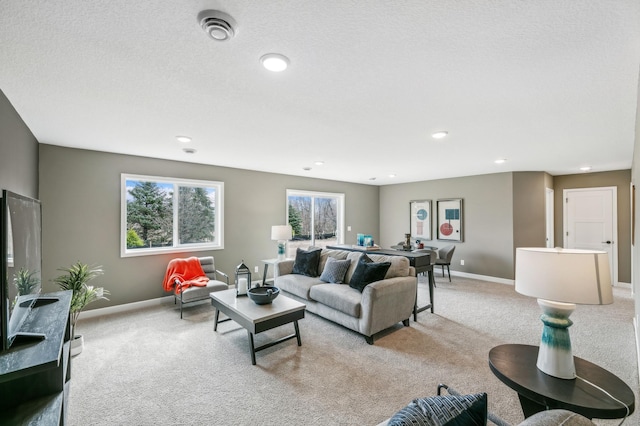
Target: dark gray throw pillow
335,270
367,271
446,410
306,262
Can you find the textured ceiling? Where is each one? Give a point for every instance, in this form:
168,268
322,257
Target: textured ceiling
549,85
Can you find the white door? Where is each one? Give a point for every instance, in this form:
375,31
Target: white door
590,222
549,218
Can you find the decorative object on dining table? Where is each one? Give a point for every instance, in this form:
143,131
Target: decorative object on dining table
282,234
365,240
407,242
450,219
560,279
242,279
420,219
263,295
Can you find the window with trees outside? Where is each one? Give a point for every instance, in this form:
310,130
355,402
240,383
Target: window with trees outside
316,218
162,215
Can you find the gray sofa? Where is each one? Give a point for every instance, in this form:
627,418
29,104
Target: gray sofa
380,305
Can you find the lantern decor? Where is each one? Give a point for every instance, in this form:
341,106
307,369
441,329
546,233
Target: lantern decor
243,279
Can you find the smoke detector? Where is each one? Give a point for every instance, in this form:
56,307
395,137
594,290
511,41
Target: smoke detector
218,25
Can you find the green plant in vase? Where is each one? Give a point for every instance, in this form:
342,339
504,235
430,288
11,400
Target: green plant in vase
75,279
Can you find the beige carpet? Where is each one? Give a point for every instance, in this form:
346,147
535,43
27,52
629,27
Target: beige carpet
148,367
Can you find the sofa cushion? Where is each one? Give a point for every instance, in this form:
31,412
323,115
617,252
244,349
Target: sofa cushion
298,285
452,410
327,253
306,262
339,297
399,265
368,272
335,270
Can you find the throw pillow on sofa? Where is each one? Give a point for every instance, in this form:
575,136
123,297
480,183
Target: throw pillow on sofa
368,272
335,270
452,410
306,262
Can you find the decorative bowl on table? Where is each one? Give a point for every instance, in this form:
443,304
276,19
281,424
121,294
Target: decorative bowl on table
263,295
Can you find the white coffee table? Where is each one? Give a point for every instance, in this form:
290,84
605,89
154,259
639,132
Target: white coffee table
258,318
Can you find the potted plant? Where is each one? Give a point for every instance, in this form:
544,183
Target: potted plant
75,279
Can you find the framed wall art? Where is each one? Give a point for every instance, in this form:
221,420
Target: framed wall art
450,219
420,219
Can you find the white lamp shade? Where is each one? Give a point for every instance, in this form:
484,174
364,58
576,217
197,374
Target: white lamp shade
281,232
564,275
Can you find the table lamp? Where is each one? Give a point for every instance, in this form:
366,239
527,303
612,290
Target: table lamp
281,233
560,279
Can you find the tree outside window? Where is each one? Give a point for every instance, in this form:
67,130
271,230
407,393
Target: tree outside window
316,219
164,214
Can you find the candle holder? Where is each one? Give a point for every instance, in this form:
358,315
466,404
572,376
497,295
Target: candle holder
242,279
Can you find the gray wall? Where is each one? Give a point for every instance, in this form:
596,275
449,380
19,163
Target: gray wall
19,152
529,225
635,176
487,248
620,179
80,193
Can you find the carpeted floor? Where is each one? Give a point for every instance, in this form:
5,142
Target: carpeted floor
148,367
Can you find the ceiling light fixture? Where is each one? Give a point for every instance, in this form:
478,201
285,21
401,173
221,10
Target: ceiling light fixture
500,161
183,139
319,163
274,62
439,135
218,25
392,175
585,168
372,178
306,169
189,150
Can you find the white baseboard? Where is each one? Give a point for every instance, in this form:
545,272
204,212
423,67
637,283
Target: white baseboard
481,277
623,285
117,309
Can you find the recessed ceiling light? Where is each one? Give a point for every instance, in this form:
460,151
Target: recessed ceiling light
306,169
183,139
274,62
585,168
392,175
440,134
319,163
500,161
189,150
372,178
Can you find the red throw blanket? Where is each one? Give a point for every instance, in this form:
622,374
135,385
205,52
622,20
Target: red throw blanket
187,272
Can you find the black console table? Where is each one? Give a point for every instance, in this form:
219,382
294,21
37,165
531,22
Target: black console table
421,261
34,376
515,366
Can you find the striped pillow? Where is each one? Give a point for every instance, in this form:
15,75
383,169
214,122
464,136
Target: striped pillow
335,270
452,410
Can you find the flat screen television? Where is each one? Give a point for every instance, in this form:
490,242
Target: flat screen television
20,265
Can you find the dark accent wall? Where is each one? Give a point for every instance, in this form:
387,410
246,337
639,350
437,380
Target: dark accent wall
621,179
18,152
80,193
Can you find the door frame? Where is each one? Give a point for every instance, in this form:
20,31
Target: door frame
614,223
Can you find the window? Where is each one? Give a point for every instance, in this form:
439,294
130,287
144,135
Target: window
317,219
162,215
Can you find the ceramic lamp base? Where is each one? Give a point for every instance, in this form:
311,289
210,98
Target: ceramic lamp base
555,356
282,249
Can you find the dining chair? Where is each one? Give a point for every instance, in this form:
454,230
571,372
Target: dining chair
444,258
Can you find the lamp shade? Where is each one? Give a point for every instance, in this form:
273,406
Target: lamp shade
564,275
281,232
